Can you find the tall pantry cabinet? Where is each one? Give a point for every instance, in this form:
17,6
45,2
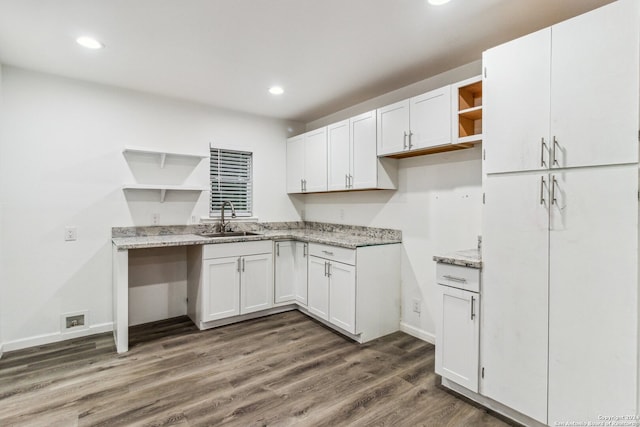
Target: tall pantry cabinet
560,223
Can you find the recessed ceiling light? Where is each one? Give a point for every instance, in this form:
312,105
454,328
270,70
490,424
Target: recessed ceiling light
276,90
89,42
438,2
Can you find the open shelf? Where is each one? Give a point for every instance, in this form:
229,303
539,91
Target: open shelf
469,111
163,188
162,155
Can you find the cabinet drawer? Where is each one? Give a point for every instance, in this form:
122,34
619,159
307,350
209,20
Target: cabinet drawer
220,250
466,278
333,253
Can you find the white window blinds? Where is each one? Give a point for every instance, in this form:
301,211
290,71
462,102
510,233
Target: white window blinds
231,179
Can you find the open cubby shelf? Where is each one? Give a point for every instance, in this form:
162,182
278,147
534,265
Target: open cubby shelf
470,112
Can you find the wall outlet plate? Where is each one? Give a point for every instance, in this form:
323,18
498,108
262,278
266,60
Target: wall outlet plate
415,305
70,233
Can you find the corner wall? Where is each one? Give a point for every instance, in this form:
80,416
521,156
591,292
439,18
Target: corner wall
61,164
438,206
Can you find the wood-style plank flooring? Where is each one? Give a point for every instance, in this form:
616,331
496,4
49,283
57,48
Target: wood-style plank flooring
281,370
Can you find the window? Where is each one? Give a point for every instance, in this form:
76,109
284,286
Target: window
231,179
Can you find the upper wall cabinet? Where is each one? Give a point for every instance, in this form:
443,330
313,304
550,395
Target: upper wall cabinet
466,100
349,160
565,96
353,163
415,124
307,162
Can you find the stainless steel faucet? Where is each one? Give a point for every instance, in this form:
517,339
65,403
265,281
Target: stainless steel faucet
223,223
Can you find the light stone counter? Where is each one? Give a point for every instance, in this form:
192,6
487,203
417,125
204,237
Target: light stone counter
465,258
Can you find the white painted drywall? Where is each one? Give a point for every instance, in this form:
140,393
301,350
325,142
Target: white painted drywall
438,205
1,234
61,163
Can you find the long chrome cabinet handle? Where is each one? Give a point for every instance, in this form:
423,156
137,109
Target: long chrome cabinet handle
542,183
473,313
329,269
350,181
277,249
242,264
555,147
325,268
346,180
543,145
404,141
327,252
238,265
304,250
553,190
410,144
301,184
455,279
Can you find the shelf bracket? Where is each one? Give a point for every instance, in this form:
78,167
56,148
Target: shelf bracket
163,193
163,157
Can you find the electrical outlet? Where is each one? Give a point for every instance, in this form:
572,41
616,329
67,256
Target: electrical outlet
70,233
341,213
155,219
416,305
194,219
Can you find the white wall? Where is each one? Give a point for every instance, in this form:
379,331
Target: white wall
61,163
438,205
1,204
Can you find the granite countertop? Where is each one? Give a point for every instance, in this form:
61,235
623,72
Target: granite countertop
344,236
466,258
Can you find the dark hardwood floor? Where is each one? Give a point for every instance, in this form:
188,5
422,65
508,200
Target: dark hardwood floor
285,369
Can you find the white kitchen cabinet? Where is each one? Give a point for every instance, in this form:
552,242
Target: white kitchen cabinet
221,288
430,119
256,283
342,295
393,127
515,242
565,96
290,264
301,257
355,290
307,162
458,325
593,294
353,162
228,279
295,164
318,302
516,97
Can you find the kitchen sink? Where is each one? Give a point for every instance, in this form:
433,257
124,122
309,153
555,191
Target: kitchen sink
231,234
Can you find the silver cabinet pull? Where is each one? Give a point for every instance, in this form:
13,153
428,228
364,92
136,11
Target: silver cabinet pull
304,250
325,268
350,181
542,183
553,190
455,279
238,265
346,181
327,252
555,147
304,185
243,264
410,144
404,141
543,145
329,269
473,313
277,249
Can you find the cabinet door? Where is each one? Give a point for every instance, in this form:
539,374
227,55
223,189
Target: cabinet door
295,164
221,288
318,302
285,272
339,155
301,266
315,160
458,336
515,240
256,283
594,96
593,261
393,128
342,296
516,96
364,160
430,119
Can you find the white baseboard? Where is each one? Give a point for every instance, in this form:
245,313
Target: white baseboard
55,337
418,333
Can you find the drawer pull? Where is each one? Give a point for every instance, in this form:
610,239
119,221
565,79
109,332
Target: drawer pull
455,279
328,253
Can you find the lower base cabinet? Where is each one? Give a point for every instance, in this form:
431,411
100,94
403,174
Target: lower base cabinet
458,325
221,286
355,290
290,272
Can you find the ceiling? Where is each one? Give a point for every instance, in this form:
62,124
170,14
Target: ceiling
326,54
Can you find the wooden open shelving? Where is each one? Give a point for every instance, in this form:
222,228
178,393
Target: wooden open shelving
469,111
